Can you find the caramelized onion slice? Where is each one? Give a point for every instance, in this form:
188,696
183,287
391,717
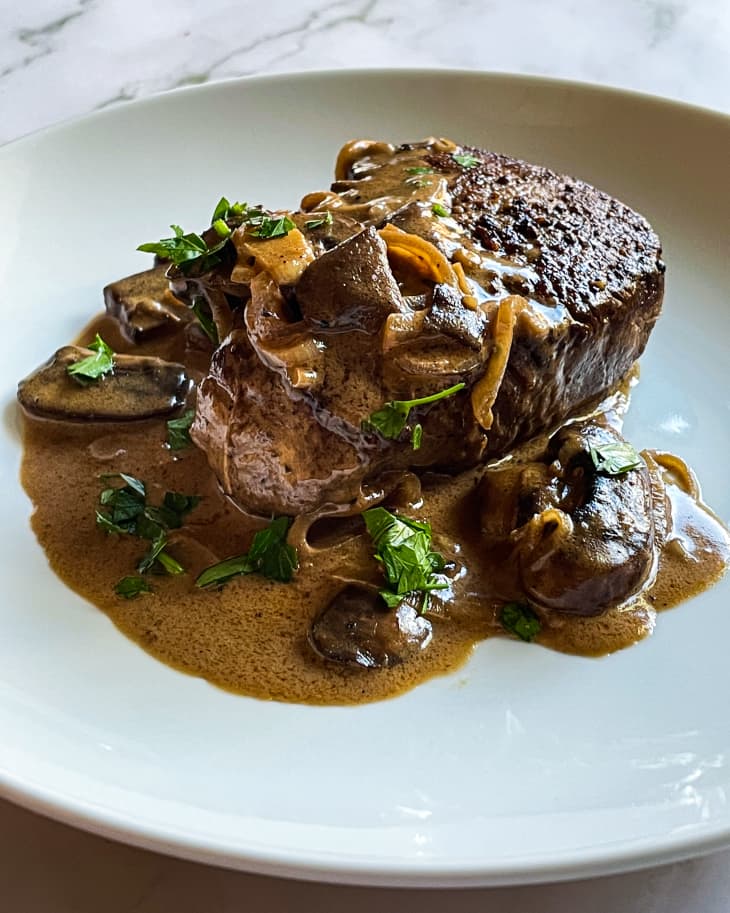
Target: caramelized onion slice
485,390
413,253
288,348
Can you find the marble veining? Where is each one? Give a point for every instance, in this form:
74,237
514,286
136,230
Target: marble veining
62,58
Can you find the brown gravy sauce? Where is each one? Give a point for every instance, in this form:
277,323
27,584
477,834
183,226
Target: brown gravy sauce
251,636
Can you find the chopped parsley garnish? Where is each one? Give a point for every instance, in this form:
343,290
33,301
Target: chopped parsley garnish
465,159
319,221
93,366
221,228
419,170
131,587
438,209
200,308
520,620
267,226
270,555
191,252
157,555
178,430
126,512
393,417
403,547
615,459
229,212
187,250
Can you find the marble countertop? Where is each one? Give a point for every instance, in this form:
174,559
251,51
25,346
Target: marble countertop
63,58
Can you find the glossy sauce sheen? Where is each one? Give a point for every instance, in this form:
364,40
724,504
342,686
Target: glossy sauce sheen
251,636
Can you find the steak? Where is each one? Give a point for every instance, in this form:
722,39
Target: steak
425,266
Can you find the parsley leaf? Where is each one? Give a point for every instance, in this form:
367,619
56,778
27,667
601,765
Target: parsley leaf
615,459
403,547
520,620
267,226
393,417
131,587
319,221
465,159
186,251
93,366
128,513
200,308
124,505
178,430
269,555
158,555
229,212
438,209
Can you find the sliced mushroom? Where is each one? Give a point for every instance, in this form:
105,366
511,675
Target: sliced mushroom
358,629
449,316
585,540
350,287
138,388
144,306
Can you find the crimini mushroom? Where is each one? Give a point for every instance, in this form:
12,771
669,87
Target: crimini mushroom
358,629
144,306
350,287
137,388
585,539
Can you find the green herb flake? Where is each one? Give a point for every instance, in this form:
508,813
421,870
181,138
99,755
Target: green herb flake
615,459
93,366
221,228
438,209
465,159
319,221
124,505
178,430
267,227
419,170
200,308
269,555
131,587
403,547
520,620
392,418
126,512
187,251
229,212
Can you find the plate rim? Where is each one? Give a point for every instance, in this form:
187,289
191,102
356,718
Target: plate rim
343,868
554,82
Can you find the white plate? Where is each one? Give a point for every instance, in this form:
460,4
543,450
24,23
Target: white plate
526,765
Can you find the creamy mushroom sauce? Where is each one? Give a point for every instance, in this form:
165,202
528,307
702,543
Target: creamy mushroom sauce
251,636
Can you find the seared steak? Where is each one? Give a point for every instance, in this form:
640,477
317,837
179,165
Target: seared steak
535,290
